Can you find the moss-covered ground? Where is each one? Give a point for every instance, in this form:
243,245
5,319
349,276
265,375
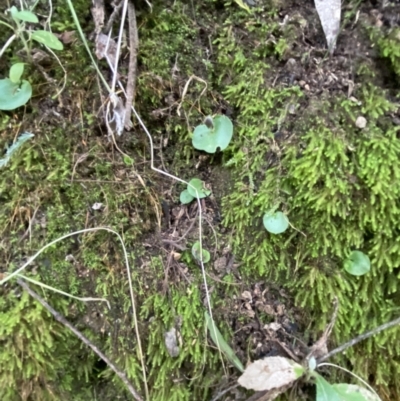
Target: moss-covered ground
296,146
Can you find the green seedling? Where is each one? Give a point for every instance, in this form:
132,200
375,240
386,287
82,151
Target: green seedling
357,263
275,222
213,134
279,374
199,253
18,20
14,92
189,194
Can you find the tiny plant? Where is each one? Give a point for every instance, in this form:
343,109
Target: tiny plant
357,263
199,253
189,193
15,92
275,222
18,19
213,134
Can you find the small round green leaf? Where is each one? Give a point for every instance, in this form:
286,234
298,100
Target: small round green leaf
48,39
185,197
14,95
357,263
202,191
197,252
16,72
213,135
26,16
128,161
275,223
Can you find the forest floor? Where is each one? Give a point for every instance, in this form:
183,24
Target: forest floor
298,146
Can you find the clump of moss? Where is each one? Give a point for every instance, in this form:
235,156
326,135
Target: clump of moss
337,183
339,186
36,355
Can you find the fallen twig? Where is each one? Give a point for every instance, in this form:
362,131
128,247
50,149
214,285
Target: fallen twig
65,322
361,337
132,71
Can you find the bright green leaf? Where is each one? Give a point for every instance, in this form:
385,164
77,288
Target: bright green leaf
48,39
213,135
128,160
220,342
196,184
200,254
13,10
352,392
325,391
185,197
14,95
16,72
26,16
275,223
357,263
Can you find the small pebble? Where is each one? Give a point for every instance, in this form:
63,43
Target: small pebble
361,122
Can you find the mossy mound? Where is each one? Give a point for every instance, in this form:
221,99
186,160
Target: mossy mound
296,146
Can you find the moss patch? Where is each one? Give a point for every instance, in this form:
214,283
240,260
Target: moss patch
296,146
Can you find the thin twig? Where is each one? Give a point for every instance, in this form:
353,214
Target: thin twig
113,16
320,348
132,71
361,337
65,322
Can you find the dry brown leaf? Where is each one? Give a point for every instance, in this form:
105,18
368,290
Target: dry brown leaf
329,14
269,373
106,47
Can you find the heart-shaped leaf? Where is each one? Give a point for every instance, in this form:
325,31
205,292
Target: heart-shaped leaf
14,95
200,254
357,263
209,137
275,222
26,16
16,72
48,39
185,197
197,184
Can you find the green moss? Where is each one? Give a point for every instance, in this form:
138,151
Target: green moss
339,186
389,46
36,355
337,183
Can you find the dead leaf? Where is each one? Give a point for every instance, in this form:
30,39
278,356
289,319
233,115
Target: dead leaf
329,14
171,342
270,373
98,15
67,37
106,47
